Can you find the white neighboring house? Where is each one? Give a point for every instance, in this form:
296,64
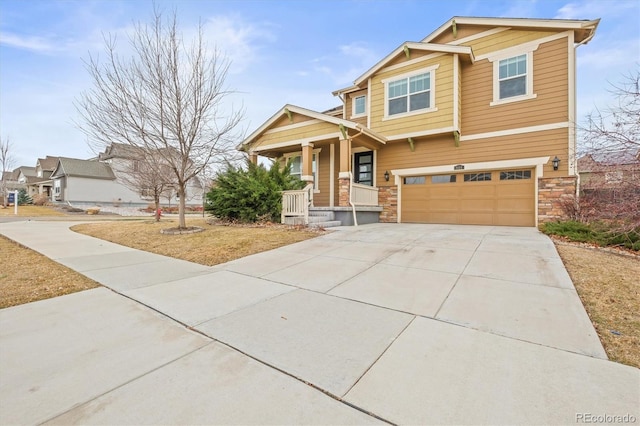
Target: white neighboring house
79,181
102,181
123,160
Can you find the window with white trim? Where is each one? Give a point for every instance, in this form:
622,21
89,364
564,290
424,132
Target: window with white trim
296,166
513,78
410,94
359,106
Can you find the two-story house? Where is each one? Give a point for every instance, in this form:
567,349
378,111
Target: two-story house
474,124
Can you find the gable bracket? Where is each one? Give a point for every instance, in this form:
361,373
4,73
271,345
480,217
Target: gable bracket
286,111
456,137
343,130
407,51
454,28
411,146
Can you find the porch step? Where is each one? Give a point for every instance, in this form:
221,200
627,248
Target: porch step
326,224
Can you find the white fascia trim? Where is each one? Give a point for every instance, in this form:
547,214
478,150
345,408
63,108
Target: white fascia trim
513,22
292,126
518,131
345,90
441,48
421,133
299,142
456,77
537,162
369,103
572,105
344,175
332,173
298,110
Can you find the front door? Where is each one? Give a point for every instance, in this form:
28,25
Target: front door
363,168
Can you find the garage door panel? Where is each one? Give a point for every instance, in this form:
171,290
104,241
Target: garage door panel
475,218
515,219
507,202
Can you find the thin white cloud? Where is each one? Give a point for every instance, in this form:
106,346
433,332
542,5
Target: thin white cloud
237,39
32,43
623,52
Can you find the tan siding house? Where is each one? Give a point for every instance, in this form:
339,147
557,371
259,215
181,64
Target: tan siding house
460,127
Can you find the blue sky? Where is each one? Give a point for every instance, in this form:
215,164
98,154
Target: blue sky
282,52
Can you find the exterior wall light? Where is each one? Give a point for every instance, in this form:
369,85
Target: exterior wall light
555,162
386,175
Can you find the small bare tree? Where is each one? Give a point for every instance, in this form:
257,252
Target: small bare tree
617,127
167,100
6,161
610,159
148,177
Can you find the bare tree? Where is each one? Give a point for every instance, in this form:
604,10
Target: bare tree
6,161
167,100
148,177
610,161
617,127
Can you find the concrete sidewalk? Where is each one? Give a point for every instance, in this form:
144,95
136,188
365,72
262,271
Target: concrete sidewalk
401,323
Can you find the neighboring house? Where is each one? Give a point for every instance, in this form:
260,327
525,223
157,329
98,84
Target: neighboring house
460,127
127,163
10,182
87,181
610,170
44,168
26,178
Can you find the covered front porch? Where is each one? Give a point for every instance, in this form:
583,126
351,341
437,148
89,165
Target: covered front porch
336,158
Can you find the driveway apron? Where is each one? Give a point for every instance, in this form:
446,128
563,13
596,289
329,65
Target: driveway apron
408,324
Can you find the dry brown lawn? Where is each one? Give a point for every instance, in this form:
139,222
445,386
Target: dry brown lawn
27,276
216,244
30,211
609,287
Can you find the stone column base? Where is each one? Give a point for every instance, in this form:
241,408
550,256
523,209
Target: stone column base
553,193
388,199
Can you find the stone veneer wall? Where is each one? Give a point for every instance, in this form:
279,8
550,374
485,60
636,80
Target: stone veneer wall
343,192
552,192
388,199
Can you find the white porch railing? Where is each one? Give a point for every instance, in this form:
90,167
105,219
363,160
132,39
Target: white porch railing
364,195
296,204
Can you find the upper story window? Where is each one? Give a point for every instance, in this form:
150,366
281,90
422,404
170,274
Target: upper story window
410,94
359,106
512,78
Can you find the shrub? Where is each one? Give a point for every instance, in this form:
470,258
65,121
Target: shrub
41,200
24,198
600,233
250,194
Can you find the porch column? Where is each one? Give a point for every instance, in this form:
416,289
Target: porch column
307,162
343,177
253,157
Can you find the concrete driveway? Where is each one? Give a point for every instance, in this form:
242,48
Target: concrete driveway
405,324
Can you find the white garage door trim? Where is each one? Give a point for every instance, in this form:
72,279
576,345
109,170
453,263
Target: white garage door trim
536,162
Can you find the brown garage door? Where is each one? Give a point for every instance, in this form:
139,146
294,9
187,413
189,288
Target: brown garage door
504,197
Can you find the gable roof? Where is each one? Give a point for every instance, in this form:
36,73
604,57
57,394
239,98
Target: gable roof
288,108
605,158
82,168
585,29
120,150
411,45
25,170
48,163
